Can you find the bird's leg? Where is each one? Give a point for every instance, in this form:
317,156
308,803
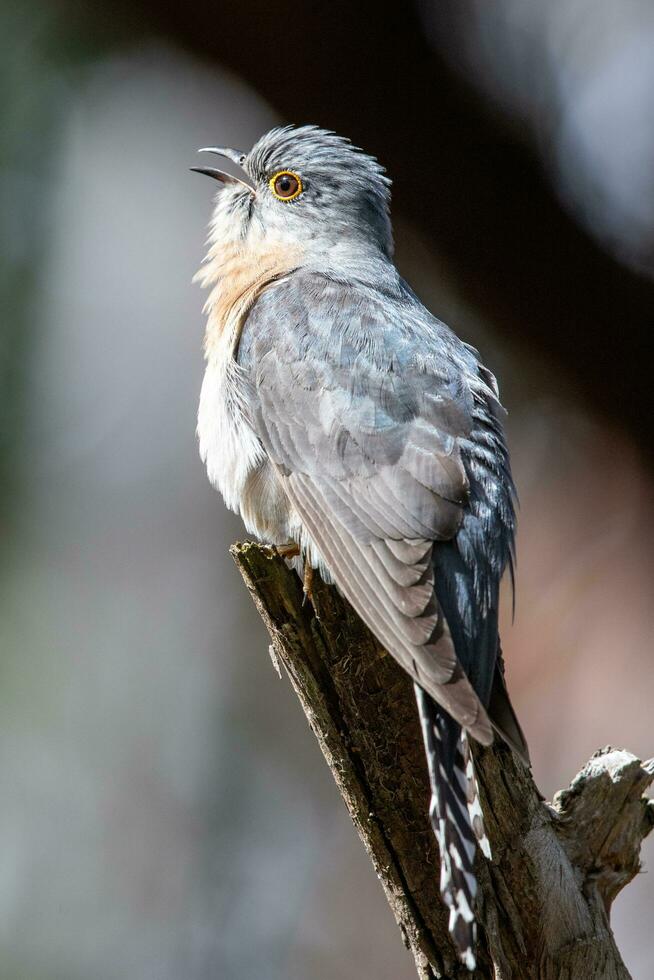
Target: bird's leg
307,583
291,550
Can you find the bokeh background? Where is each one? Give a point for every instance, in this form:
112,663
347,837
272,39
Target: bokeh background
164,811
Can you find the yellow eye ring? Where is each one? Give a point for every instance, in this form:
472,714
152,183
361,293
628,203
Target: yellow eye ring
285,185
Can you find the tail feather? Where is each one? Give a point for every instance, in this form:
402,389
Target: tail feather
503,717
456,817
474,803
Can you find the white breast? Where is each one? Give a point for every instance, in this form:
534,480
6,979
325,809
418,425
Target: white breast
236,462
228,446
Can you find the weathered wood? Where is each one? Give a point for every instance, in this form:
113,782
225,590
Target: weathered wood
545,897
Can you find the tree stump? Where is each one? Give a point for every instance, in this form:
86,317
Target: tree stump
545,898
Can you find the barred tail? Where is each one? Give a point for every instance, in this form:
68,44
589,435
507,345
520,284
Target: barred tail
456,817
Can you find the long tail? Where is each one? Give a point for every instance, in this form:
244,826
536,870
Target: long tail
456,817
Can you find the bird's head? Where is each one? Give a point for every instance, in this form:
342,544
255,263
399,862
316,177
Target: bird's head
302,186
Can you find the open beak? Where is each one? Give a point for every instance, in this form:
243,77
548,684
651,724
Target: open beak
237,157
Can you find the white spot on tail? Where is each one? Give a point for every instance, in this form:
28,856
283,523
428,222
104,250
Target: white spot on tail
474,804
469,960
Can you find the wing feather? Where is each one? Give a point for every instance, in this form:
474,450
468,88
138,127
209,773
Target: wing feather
407,572
364,430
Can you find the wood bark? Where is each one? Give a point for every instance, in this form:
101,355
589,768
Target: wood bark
545,897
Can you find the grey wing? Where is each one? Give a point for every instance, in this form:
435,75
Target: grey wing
364,428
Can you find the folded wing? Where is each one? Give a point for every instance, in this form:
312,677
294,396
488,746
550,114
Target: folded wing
363,413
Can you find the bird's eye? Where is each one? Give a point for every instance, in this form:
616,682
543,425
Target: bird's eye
286,185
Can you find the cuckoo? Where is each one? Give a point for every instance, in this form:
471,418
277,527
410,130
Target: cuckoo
344,421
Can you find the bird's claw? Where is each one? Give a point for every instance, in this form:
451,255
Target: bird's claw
307,584
291,550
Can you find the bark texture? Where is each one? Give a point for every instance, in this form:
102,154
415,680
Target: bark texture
545,898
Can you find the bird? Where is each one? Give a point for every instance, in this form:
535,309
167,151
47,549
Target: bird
347,424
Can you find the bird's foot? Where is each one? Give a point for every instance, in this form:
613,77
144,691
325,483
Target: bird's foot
307,584
291,550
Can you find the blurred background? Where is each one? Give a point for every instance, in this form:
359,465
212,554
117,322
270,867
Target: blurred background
164,810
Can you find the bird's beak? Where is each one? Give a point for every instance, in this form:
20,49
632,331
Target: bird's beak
237,157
